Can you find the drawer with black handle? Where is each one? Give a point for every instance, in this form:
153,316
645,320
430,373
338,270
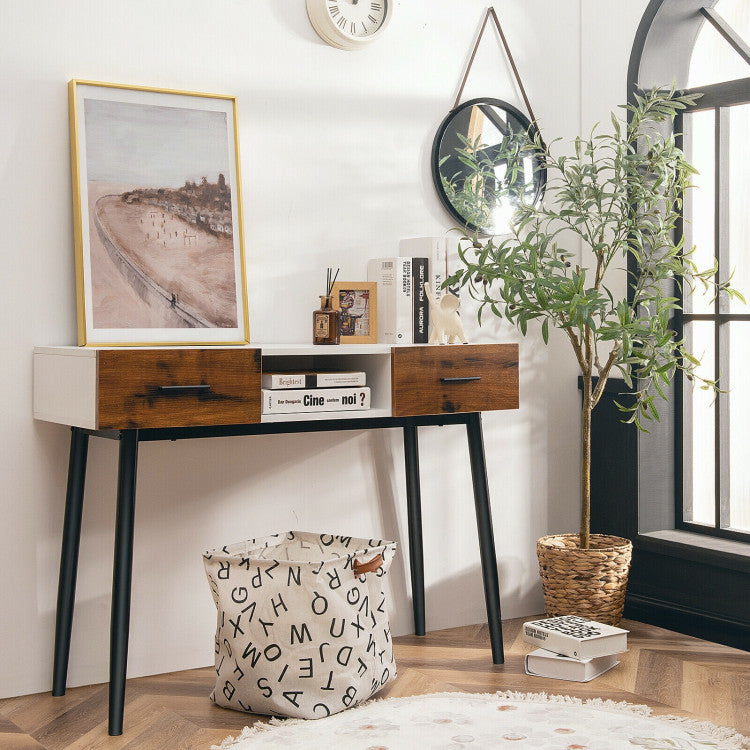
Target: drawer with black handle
453,378
180,387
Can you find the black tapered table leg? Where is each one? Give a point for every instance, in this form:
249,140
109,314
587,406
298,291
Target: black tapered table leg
414,511
121,578
71,539
486,536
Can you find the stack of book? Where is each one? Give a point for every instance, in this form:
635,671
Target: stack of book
572,648
403,308
292,392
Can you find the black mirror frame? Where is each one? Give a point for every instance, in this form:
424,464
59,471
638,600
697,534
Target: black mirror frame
435,157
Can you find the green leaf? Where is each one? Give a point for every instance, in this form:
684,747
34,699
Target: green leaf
616,193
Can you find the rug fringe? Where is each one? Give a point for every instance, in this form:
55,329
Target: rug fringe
257,728
727,735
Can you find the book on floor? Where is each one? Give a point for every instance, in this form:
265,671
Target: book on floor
543,663
315,399
575,636
338,379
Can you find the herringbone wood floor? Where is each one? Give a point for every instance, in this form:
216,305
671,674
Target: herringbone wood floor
671,673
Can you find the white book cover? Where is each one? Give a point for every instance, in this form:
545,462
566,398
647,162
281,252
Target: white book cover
542,663
315,399
395,306
338,379
575,636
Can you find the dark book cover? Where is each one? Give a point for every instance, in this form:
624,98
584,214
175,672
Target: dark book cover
419,268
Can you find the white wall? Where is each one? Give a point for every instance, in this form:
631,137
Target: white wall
608,29
335,148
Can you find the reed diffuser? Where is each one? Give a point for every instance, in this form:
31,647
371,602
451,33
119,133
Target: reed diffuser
326,320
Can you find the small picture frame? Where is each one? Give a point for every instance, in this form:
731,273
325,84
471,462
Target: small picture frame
358,303
157,213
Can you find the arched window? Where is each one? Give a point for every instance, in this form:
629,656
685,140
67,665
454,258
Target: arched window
705,48
715,432
682,491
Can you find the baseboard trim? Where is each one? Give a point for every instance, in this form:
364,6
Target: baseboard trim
693,622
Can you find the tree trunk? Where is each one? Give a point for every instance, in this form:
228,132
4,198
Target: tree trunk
586,409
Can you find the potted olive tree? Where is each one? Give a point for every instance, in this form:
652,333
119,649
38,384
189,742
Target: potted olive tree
619,196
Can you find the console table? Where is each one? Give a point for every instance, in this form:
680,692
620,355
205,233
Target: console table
136,395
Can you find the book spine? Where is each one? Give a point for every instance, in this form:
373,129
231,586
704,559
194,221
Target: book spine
285,381
313,399
439,267
434,249
336,379
420,316
280,381
404,303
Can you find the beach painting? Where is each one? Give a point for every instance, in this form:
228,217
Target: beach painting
159,246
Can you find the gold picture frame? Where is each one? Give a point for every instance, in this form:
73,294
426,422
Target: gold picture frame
358,303
159,240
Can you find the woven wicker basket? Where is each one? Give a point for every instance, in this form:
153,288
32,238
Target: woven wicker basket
586,582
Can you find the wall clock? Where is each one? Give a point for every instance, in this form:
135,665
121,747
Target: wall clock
349,24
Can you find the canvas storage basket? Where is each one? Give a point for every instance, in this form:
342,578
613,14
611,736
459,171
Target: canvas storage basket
302,627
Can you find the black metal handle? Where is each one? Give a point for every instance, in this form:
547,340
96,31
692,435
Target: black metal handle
466,379
181,390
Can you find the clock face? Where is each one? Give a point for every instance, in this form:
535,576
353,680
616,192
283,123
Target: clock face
349,24
358,19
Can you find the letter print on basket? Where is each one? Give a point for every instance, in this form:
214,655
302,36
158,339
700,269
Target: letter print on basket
299,632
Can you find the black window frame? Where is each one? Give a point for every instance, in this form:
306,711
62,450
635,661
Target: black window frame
718,97
690,583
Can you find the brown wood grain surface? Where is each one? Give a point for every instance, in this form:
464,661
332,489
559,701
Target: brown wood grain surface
419,374
129,380
671,673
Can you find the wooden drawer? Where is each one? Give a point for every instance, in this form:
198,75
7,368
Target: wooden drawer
459,378
177,387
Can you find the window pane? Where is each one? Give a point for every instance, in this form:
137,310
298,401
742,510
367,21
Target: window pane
713,59
698,430
699,143
739,426
739,200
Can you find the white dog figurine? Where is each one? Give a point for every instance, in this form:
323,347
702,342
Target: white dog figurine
444,318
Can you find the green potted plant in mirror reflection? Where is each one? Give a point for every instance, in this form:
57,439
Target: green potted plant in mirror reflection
491,176
619,195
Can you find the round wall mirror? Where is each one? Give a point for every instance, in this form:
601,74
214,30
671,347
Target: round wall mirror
483,167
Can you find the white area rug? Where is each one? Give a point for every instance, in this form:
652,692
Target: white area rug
515,720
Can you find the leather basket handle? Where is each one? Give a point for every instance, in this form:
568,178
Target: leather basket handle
368,567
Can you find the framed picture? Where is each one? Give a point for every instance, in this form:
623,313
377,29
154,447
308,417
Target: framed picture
358,302
157,217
